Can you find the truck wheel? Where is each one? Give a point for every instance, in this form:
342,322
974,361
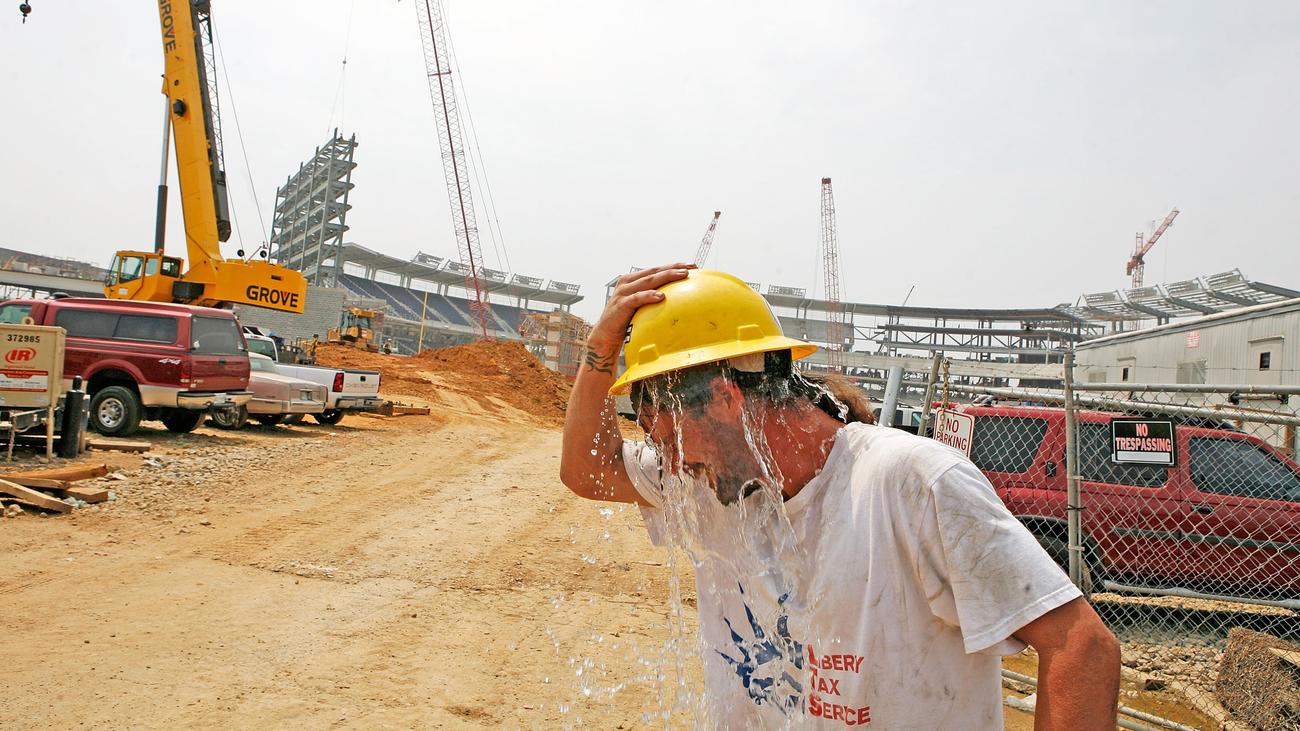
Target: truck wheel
230,418
115,411
268,419
328,416
181,421
1059,549
291,419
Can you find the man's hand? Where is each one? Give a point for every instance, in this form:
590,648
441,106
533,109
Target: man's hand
631,291
591,459
1078,668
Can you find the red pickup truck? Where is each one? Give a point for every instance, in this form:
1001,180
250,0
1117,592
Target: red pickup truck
1223,521
146,360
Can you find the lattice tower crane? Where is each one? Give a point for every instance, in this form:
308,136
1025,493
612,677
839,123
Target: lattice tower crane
1137,262
707,242
831,258
437,62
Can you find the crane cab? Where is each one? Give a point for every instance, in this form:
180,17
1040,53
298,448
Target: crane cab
143,275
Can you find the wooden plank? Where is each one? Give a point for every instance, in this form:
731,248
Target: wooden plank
43,483
88,494
40,499
119,445
411,410
71,474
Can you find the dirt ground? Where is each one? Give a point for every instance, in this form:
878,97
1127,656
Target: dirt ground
410,572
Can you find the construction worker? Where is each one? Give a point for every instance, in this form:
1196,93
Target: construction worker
846,574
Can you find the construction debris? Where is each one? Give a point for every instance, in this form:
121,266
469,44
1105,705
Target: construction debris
52,489
33,497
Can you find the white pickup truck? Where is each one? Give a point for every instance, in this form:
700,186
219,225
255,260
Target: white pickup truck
347,389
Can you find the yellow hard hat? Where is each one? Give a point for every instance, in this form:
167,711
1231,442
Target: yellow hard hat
707,317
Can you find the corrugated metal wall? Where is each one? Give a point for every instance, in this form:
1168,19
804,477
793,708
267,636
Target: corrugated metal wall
1225,351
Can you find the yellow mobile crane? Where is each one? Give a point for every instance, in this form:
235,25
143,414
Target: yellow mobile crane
191,120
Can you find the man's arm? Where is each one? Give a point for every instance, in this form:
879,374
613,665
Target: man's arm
1078,668
591,458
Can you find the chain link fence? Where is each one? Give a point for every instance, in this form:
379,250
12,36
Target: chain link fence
1174,507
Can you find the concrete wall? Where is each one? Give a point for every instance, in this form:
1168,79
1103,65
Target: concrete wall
323,309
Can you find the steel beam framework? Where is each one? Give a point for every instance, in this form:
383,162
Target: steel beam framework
311,212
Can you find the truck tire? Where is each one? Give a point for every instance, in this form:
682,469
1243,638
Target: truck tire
181,421
230,418
268,419
1059,549
292,419
115,411
329,417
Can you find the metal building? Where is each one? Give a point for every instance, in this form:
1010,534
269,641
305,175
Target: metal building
311,211
1257,345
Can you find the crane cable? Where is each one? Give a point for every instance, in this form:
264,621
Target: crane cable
481,180
341,91
248,167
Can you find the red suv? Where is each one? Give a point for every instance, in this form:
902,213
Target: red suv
1224,521
146,360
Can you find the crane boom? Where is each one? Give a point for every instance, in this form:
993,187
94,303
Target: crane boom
1137,263
193,124
706,243
437,62
831,259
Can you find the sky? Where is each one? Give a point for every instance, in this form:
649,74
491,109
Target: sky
989,155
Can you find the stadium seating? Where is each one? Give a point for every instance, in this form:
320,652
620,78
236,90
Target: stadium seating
407,304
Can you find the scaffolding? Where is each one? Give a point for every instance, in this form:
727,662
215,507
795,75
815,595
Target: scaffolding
311,212
557,338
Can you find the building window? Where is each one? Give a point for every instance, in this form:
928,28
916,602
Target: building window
1123,374
1265,360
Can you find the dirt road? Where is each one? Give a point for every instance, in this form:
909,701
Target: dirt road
391,574
414,572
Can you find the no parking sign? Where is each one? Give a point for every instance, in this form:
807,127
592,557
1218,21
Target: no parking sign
954,429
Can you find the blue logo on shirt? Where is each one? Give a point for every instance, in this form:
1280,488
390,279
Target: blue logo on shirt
762,661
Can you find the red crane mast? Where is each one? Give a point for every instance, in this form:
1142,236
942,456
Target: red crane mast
1137,262
831,259
706,243
437,62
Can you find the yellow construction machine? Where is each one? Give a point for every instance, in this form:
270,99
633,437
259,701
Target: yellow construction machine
191,120
356,328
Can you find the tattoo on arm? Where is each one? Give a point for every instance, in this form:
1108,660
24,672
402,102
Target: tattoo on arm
600,363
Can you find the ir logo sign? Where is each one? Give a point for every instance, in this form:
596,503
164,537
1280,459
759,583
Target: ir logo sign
20,355
954,429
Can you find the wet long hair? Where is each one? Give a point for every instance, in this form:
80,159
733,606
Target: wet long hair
778,383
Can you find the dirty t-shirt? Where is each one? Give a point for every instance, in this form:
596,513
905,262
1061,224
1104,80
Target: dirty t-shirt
881,595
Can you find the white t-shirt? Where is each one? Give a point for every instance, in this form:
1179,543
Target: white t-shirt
881,595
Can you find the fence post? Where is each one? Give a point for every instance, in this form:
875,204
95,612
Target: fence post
1072,508
929,394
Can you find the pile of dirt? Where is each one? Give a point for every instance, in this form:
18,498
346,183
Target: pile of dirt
505,371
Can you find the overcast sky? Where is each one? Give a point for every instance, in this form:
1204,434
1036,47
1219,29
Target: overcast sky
992,154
